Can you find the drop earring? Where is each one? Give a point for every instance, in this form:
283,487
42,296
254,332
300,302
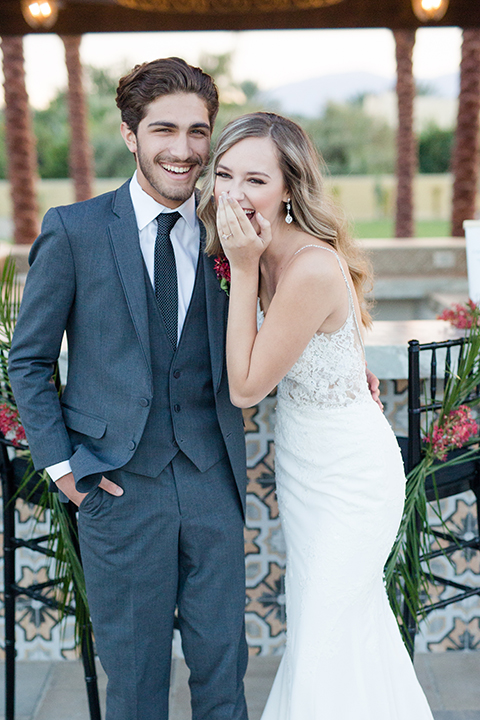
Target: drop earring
288,217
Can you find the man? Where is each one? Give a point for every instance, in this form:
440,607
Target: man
144,439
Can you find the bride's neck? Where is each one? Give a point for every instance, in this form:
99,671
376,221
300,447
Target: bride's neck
279,253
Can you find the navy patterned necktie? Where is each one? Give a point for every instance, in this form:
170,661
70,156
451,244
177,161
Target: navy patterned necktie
165,275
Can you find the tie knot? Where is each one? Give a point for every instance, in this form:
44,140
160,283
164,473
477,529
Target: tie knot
166,221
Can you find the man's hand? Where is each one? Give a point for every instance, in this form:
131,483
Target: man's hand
67,485
374,386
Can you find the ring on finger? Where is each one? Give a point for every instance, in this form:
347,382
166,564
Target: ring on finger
225,237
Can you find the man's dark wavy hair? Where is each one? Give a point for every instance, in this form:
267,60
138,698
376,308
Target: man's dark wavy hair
167,76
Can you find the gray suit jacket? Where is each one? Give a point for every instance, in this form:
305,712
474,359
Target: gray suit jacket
87,277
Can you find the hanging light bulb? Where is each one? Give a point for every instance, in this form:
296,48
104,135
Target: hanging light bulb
427,10
40,14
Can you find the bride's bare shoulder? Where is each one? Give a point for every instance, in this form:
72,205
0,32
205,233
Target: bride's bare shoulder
314,260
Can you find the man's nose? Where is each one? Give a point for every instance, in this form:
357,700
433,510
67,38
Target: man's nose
180,147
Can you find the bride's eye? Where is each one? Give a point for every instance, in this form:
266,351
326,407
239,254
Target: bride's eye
257,181
223,175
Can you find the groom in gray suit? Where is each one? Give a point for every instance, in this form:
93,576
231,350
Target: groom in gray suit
144,439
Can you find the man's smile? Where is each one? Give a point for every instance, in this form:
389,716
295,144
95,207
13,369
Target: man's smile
176,169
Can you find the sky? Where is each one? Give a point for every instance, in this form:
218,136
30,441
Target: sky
270,58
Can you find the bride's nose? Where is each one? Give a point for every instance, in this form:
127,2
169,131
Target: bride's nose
236,193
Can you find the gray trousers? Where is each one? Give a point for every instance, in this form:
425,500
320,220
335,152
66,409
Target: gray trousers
173,541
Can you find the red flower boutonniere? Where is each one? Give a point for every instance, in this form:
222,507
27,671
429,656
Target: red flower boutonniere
222,271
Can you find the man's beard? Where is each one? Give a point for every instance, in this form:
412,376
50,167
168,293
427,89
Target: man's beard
175,194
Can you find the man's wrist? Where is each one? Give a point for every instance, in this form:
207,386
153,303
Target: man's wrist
59,470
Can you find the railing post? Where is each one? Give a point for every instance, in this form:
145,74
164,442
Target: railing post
414,447
8,490
414,456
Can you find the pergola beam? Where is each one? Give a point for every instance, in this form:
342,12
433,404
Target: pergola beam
85,16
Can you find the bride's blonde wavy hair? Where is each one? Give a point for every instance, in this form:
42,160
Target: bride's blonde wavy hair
312,210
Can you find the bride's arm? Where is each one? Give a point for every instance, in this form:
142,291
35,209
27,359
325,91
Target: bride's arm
308,292
243,248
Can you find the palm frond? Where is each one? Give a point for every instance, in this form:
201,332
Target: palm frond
10,293
407,571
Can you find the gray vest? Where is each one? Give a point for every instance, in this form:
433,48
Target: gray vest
183,414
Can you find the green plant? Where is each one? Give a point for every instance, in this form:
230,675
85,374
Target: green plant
66,571
407,572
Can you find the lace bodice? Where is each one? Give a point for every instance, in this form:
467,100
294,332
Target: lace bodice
331,370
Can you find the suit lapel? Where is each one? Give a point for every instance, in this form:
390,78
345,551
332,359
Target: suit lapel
216,302
123,235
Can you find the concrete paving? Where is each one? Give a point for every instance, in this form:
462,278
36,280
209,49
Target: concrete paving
55,690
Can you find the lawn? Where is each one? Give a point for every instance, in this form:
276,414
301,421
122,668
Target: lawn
385,228
381,229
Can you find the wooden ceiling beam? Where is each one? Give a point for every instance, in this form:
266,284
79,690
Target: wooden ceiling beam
77,17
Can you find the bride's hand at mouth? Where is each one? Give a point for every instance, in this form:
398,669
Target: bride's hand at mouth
241,244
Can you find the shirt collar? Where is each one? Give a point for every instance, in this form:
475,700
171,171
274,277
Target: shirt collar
146,208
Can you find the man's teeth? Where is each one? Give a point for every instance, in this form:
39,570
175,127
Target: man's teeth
175,169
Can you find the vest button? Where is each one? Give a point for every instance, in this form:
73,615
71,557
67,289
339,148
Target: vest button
176,408
144,402
131,445
176,374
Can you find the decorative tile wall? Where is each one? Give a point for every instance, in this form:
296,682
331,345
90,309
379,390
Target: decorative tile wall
39,635
265,548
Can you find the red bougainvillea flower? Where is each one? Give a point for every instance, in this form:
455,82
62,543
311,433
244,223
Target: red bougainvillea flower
10,425
222,270
458,427
462,316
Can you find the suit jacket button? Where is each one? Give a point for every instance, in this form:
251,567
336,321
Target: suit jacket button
131,445
176,374
144,402
176,408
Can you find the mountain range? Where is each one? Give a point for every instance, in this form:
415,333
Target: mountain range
309,97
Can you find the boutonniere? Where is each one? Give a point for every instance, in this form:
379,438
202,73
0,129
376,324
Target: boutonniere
222,271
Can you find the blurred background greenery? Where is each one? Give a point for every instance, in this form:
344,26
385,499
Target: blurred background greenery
352,141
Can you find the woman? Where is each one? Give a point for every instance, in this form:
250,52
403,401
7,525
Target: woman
339,473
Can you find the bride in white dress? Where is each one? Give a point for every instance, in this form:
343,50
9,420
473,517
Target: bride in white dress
339,473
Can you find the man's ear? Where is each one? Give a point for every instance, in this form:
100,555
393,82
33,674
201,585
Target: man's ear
129,137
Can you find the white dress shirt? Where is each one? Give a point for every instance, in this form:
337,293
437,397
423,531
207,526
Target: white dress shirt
185,237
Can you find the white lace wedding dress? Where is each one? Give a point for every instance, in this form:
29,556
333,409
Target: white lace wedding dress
340,486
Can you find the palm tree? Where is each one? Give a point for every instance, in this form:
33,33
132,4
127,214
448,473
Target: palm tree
406,165
466,147
20,141
81,156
